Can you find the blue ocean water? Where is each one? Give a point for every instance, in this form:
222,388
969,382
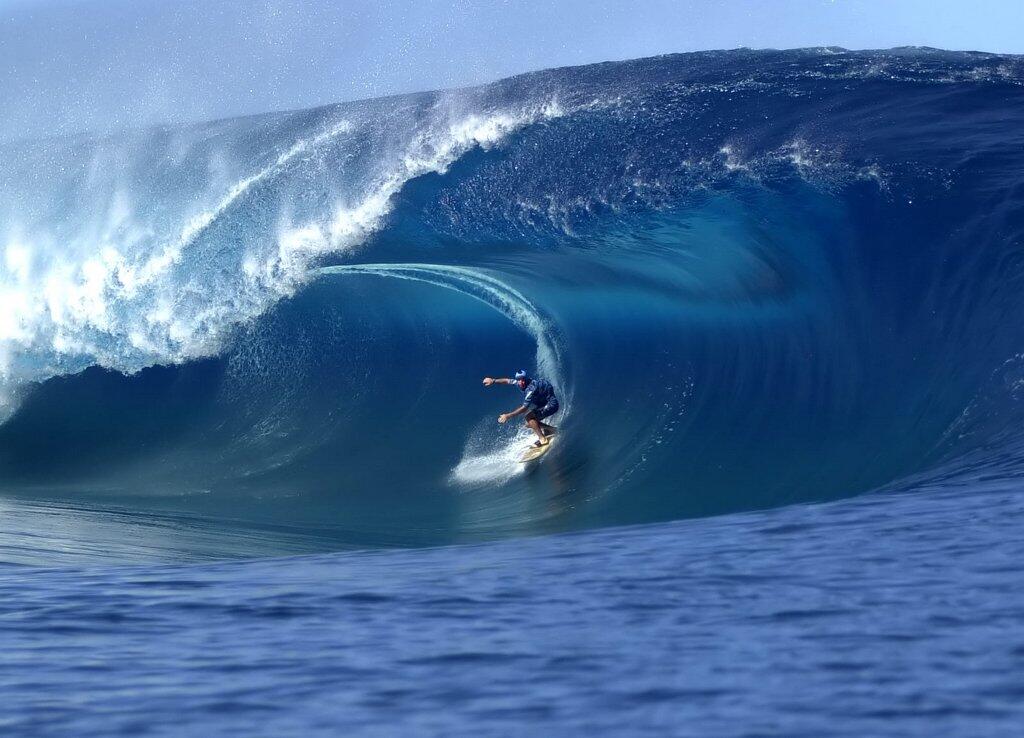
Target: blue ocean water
893,615
251,482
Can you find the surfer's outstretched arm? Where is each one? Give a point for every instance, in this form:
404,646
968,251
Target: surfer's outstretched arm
488,381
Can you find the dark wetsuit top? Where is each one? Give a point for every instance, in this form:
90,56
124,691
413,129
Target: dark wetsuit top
538,392
540,398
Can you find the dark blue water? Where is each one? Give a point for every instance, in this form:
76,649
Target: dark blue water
250,480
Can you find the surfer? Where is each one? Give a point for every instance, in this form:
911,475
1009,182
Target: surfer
539,402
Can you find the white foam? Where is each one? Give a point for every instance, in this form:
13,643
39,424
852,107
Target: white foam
490,460
431,151
733,162
119,296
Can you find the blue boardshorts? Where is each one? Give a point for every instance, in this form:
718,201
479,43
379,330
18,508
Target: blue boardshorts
544,412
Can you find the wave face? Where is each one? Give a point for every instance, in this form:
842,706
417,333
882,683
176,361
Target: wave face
755,278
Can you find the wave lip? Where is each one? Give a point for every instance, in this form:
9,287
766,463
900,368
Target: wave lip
130,300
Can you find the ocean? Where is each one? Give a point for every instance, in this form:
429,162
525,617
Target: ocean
251,482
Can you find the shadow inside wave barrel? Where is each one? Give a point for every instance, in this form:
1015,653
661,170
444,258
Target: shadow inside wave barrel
301,424
700,366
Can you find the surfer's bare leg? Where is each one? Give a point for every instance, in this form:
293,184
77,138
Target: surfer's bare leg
535,427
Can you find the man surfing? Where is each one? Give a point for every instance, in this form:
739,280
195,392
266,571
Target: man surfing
539,402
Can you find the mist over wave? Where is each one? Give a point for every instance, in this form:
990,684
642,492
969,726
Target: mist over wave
756,278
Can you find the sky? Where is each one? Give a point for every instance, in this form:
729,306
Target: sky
73,65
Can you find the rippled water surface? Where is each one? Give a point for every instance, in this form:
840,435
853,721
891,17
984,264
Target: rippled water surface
891,615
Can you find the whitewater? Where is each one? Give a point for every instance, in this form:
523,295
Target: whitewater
778,293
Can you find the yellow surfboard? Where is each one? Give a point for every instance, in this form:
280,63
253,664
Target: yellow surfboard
535,452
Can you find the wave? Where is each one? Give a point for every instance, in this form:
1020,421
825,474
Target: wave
755,278
117,294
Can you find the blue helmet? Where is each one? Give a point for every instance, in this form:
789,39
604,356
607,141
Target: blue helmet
521,374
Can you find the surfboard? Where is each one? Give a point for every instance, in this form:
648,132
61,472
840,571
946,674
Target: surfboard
535,452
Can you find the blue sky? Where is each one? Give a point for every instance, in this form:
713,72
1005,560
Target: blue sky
69,65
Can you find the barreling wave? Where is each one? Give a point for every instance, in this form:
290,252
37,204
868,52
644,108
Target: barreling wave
114,288
486,462
756,278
